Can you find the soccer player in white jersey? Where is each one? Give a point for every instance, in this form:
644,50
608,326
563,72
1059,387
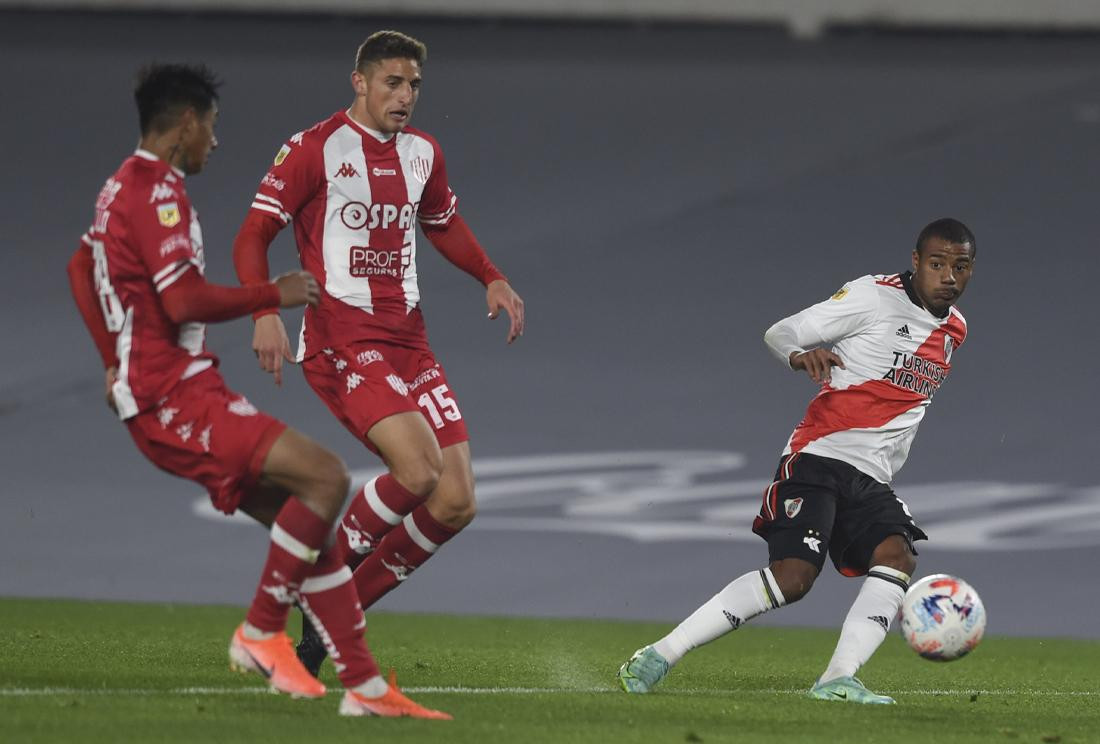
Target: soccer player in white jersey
356,185
880,348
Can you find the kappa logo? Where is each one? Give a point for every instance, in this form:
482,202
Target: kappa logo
813,542
383,172
903,332
401,572
168,214
165,416
347,170
353,381
280,592
792,507
358,540
162,191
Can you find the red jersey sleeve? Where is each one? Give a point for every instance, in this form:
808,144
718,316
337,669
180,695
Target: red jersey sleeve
294,178
438,204
161,235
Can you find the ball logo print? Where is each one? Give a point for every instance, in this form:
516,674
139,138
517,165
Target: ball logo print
942,618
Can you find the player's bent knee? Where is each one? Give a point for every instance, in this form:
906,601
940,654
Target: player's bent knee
331,483
894,552
795,577
420,475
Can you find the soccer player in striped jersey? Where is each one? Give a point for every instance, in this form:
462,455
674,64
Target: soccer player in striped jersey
356,186
879,348
137,278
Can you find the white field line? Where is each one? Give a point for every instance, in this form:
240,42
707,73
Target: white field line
205,691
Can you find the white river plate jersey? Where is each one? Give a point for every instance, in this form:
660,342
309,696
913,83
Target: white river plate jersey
896,355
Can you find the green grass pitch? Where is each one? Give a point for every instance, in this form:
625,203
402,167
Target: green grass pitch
113,672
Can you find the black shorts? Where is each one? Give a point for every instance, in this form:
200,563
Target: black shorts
818,504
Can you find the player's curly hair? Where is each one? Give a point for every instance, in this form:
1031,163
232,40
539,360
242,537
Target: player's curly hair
389,45
949,229
164,91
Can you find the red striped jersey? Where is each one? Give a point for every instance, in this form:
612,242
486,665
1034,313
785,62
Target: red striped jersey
144,237
355,197
896,354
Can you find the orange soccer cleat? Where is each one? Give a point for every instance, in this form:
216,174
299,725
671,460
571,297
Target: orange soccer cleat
391,705
274,658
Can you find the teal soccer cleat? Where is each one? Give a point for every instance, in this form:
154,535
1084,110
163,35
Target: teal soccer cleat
644,670
848,690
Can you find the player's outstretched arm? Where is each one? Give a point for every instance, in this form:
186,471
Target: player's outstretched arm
191,299
456,242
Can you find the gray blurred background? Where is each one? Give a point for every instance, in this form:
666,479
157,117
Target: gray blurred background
660,186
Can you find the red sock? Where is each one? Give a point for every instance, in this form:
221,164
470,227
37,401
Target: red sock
328,599
401,552
296,539
374,510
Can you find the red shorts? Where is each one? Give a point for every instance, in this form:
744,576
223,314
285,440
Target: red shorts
205,432
365,382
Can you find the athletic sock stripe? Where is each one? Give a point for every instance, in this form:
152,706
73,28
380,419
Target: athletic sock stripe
293,545
417,536
768,590
769,577
315,584
374,501
894,577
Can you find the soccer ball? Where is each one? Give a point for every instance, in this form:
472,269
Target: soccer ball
942,617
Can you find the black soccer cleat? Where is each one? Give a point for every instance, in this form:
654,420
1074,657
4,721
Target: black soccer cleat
311,650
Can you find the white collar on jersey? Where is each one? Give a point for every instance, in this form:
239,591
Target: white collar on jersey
380,136
146,155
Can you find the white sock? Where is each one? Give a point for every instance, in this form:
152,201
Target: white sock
743,598
375,687
252,633
868,621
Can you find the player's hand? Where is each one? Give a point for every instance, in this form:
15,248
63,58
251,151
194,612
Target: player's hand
112,376
818,363
271,345
501,296
297,288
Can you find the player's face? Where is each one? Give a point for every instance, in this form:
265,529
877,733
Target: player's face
199,141
941,271
386,93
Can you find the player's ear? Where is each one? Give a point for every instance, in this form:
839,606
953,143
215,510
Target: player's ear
359,82
916,259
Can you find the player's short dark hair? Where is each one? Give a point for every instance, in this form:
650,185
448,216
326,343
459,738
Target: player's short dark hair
950,230
389,45
164,91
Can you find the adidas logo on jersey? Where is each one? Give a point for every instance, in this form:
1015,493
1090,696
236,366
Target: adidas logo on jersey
347,170
903,331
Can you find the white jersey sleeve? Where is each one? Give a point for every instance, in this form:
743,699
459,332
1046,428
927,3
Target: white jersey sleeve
853,309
